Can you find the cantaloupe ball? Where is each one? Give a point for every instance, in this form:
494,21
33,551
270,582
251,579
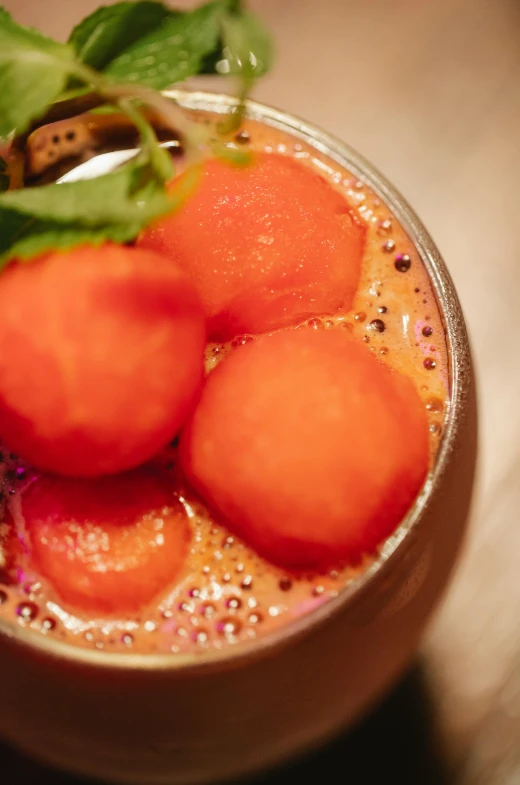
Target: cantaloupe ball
266,245
101,355
308,446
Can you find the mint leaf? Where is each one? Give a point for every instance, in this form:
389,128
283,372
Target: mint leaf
33,72
22,237
116,206
173,51
111,30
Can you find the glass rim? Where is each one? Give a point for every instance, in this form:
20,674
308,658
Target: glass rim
458,353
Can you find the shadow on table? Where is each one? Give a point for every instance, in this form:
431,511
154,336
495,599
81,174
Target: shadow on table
395,743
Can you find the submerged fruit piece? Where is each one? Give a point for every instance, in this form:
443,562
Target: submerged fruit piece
109,544
100,358
266,245
308,446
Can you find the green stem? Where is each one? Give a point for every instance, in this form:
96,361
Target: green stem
194,136
159,158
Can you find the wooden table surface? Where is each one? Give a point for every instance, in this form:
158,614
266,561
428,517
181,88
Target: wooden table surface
429,91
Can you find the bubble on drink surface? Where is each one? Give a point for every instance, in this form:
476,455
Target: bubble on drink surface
384,227
127,639
49,624
241,340
229,627
32,588
208,610
233,604
27,611
427,331
389,246
200,636
377,324
402,263
434,405
285,584
430,364
315,324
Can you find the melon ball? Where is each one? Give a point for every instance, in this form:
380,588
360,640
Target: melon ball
101,356
307,446
109,544
266,245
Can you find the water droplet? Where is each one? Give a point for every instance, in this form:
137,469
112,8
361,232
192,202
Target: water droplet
402,263
389,246
429,364
382,309
27,611
360,316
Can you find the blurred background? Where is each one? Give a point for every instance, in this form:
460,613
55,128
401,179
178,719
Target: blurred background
429,91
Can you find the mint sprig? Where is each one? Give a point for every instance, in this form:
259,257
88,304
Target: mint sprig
121,54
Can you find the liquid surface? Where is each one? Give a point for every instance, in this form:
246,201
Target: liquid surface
227,595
